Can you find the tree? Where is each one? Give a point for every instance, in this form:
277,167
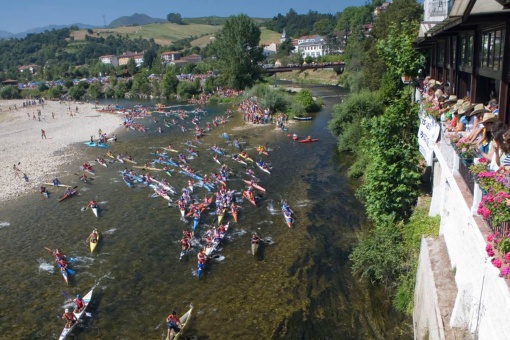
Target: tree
352,18
174,18
238,52
399,12
323,27
169,83
131,66
285,49
148,57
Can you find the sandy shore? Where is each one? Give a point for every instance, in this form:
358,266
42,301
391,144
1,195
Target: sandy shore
21,141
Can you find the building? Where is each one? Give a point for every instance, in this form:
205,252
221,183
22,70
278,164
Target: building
311,45
29,68
110,60
193,58
366,29
125,57
270,49
167,57
379,9
467,48
283,37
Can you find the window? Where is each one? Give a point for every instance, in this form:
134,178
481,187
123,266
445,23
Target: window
491,49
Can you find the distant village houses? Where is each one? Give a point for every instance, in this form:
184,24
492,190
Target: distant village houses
125,57
109,59
29,68
311,45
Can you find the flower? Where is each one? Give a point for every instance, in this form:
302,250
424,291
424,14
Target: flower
496,263
504,272
490,237
479,167
465,149
493,207
507,256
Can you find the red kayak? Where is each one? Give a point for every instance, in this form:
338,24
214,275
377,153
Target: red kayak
67,196
247,196
255,185
308,140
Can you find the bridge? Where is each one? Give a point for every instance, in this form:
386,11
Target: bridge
337,67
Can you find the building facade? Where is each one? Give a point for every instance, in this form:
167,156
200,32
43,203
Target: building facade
109,59
311,45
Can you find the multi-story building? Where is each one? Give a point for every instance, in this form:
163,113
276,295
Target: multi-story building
168,57
136,56
311,45
109,59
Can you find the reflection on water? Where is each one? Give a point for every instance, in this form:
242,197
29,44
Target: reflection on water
299,285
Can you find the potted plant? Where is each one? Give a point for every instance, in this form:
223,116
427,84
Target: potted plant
466,151
492,181
493,208
479,165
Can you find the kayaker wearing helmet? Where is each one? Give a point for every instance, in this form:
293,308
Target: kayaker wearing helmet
69,317
79,304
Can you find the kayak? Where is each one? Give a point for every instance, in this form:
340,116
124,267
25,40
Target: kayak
225,135
94,244
161,193
60,185
120,159
65,276
146,168
308,140
254,248
288,218
239,161
220,216
234,214
95,211
210,250
303,118
261,167
184,320
255,185
89,170
246,157
86,300
96,145
167,187
196,221
218,151
67,196
127,181
103,163
217,160
237,145
129,160
173,150
247,196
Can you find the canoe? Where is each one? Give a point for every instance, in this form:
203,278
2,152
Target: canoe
60,185
302,118
95,211
184,320
255,185
96,145
247,196
263,168
86,300
254,248
94,244
308,140
67,196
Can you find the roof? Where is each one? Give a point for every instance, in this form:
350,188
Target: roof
107,56
171,53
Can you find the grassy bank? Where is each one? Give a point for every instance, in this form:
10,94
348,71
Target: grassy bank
319,76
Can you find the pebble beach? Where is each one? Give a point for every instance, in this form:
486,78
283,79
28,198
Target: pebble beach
37,158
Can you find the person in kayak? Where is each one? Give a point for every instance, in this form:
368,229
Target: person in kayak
93,236
62,264
43,190
309,138
83,178
68,192
201,257
56,182
69,317
92,204
173,323
80,305
185,244
255,239
186,234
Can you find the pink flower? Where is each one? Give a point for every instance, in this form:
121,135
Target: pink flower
507,256
490,253
496,263
490,237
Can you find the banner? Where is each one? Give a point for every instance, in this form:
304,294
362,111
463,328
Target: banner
427,136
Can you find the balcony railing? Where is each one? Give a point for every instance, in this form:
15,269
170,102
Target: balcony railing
438,8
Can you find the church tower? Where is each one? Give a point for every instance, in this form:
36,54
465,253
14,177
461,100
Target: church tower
283,37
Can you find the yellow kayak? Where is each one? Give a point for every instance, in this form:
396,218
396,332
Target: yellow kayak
94,244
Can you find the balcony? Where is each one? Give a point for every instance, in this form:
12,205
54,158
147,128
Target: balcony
437,8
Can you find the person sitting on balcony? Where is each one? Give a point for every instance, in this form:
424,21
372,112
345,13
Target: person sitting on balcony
478,129
495,133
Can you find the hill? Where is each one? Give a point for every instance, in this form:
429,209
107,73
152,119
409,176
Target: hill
136,19
36,30
266,37
163,33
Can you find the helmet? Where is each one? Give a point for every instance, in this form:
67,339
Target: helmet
67,310
78,296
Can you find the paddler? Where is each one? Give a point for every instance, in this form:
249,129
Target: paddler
255,239
83,178
68,192
185,245
93,236
173,323
92,204
69,317
201,257
80,305
43,190
186,234
295,136
309,138
56,182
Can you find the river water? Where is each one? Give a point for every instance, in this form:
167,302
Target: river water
298,287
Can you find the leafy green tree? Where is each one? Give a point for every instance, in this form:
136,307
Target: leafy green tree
56,91
353,17
94,91
238,52
285,49
169,83
131,66
10,92
109,92
149,57
42,87
306,99
323,27
308,59
399,12
186,89
174,18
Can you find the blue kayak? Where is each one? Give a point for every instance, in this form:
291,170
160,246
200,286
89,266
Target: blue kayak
96,145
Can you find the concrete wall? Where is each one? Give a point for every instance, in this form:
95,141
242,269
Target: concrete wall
482,304
427,320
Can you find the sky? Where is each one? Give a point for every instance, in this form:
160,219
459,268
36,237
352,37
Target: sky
20,15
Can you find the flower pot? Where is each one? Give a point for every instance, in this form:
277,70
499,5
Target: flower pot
466,161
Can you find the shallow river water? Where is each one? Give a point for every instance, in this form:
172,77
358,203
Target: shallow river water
298,287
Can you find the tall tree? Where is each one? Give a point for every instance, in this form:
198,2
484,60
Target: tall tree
238,52
174,18
148,57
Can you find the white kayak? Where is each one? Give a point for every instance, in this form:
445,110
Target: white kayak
86,301
95,211
184,320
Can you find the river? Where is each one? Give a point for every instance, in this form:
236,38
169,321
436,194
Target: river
298,287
